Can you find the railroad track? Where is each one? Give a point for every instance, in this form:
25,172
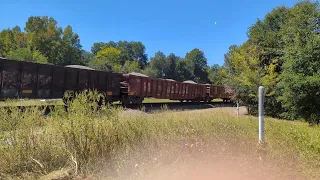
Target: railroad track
146,106
179,105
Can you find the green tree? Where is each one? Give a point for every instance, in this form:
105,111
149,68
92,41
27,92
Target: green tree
149,72
171,66
267,34
100,45
158,64
300,78
280,54
70,49
196,63
130,51
86,57
60,46
227,60
130,66
182,71
247,74
7,42
44,36
133,51
25,54
107,59
217,75
96,47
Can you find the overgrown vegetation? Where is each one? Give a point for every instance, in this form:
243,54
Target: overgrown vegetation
281,54
85,139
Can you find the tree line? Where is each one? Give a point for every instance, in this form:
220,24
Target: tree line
282,54
43,41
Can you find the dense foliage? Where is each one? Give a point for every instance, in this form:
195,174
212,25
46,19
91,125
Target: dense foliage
281,54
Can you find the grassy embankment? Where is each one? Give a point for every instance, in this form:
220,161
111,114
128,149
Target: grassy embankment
116,144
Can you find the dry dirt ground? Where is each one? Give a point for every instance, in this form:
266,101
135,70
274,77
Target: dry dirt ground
220,162
225,162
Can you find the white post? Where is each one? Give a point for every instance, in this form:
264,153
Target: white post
237,109
261,114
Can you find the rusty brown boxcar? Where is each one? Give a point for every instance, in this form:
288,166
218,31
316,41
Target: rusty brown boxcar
137,86
20,79
219,92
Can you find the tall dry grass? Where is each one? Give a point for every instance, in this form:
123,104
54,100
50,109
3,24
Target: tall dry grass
112,143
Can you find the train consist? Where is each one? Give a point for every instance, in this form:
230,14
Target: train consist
20,79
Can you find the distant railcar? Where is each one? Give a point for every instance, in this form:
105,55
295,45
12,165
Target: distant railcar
139,86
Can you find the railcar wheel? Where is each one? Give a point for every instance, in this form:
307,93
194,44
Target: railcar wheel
138,100
125,100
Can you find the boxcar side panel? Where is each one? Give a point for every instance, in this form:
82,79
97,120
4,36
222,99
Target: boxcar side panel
179,95
71,80
154,87
190,87
102,82
83,79
163,89
159,83
93,80
150,87
58,82
169,88
45,81
28,80
187,96
143,88
177,90
134,85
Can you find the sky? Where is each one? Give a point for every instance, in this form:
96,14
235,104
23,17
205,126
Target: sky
170,26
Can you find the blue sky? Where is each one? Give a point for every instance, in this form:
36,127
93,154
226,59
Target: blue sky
175,26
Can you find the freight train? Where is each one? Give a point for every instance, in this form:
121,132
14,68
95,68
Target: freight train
21,79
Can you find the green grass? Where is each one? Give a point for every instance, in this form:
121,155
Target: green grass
114,141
